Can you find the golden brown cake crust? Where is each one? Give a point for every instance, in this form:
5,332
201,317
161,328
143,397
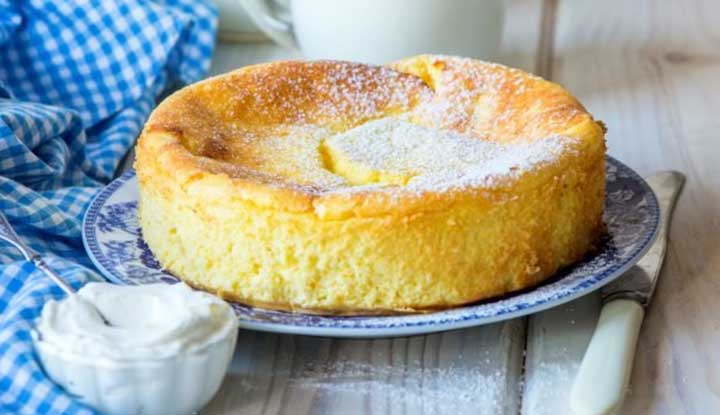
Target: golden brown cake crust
240,194
486,100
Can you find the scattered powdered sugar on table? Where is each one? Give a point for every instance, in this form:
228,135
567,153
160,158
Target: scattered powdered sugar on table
551,382
447,388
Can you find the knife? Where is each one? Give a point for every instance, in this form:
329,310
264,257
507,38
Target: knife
604,373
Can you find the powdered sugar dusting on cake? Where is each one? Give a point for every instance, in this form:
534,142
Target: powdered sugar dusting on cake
385,155
393,151
460,83
279,123
322,93
347,91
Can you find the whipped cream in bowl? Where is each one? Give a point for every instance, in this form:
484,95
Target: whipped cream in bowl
164,348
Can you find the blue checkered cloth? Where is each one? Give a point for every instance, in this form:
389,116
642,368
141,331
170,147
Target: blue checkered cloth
78,78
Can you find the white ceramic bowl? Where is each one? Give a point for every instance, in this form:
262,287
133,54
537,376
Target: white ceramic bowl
178,384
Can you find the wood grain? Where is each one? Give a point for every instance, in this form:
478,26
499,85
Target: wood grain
466,372
556,343
649,70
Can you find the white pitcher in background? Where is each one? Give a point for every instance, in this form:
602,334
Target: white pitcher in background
380,31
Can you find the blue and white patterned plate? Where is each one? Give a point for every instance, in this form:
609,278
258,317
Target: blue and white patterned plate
112,239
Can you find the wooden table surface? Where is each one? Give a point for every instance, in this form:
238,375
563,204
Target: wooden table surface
651,71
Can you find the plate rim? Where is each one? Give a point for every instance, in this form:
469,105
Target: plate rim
91,245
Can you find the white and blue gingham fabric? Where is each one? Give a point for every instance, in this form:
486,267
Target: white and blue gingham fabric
78,78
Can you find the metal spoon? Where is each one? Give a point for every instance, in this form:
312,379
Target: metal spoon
7,233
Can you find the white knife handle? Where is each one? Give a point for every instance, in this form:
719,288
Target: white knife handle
604,374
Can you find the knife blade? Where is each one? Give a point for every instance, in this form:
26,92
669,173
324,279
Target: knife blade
639,282
604,373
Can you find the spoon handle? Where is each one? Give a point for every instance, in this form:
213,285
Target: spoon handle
7,233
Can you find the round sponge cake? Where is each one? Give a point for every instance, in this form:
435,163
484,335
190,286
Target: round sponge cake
338,187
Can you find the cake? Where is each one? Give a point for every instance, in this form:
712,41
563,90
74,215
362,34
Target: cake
343,188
